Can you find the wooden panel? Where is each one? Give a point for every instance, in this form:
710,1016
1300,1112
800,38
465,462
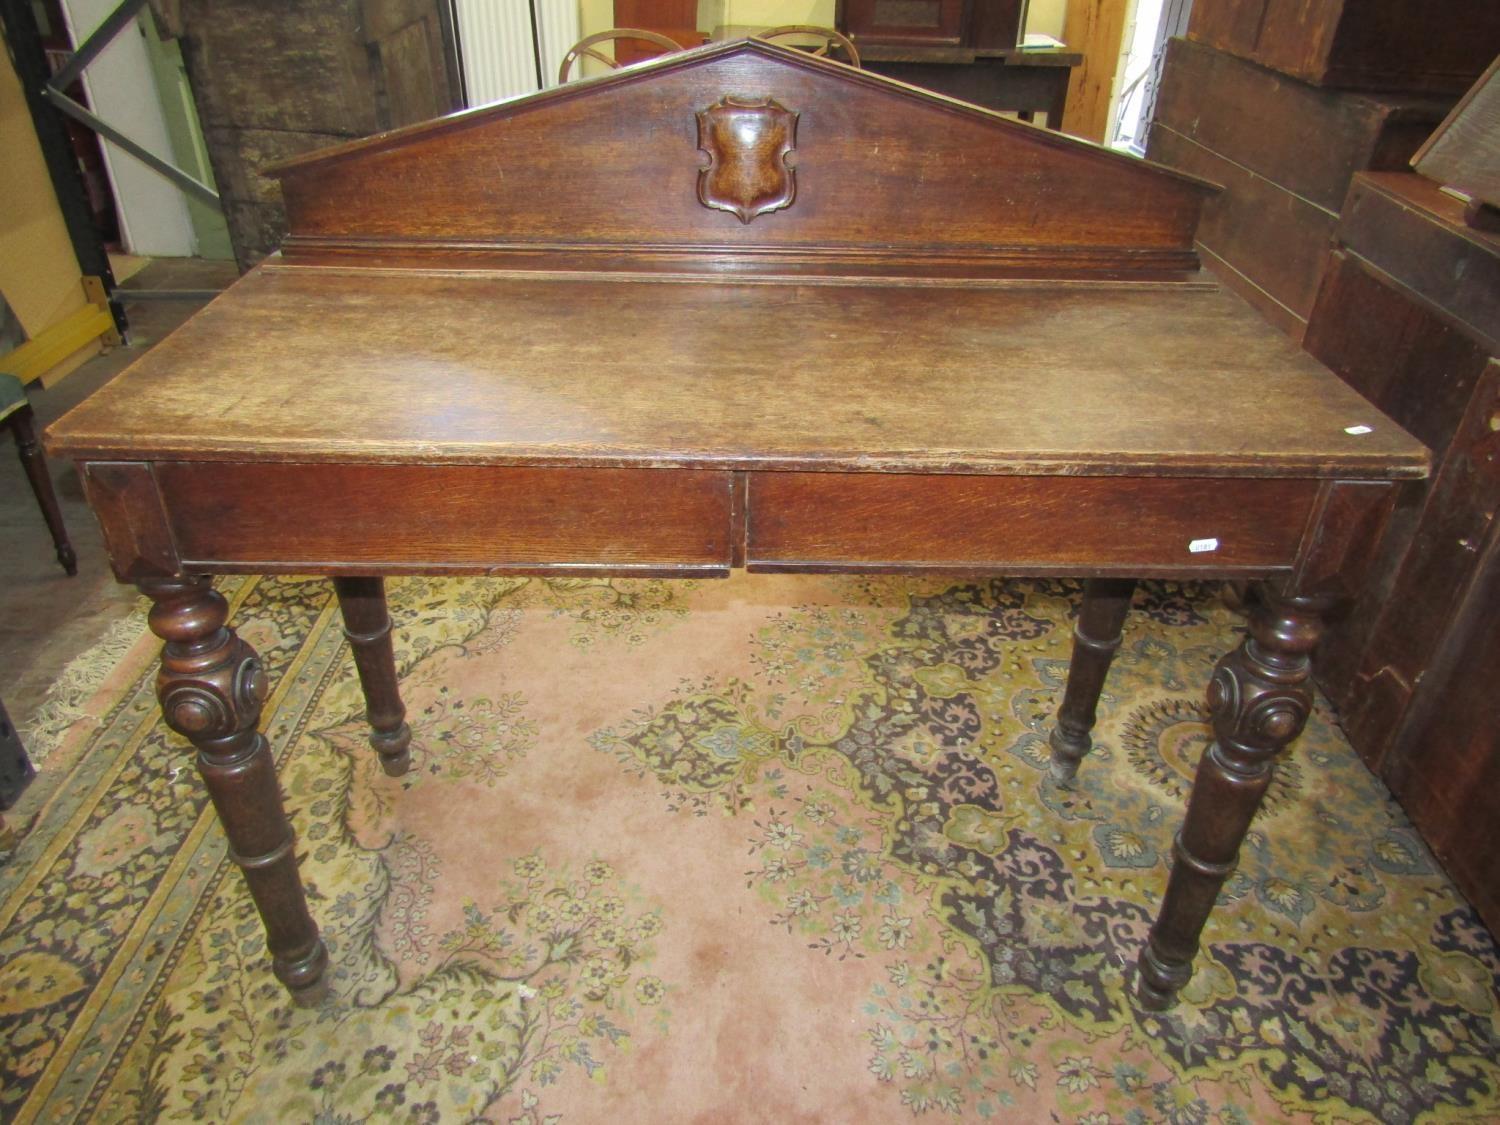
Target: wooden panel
1276,239
1020,524
1390,45
1435,573
1411,230
1307,140
331,519
1021,380
1342,534
1445,765
947,175
1403,355
125,499
1465,152
1094,27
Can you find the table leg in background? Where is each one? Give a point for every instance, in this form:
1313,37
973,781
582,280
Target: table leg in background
367,625
1096,637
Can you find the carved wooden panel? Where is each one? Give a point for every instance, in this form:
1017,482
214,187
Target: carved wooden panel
747,143
884,171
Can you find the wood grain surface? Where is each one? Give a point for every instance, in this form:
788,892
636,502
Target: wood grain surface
324,365
614,162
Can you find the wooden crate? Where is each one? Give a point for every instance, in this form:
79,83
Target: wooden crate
1410,45
1409,314
1285,153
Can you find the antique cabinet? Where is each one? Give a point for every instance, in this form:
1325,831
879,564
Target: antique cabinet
1285,153
957,23
1409,314
1411,45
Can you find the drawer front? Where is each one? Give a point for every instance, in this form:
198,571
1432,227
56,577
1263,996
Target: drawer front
1075,525
344,518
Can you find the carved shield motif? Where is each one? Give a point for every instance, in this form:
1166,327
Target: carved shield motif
747,143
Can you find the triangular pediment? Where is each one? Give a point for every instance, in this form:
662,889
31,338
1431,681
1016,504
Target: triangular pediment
744,149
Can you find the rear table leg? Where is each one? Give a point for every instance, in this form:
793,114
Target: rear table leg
1096,637
367,625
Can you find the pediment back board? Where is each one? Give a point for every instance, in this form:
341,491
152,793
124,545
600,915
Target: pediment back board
741,158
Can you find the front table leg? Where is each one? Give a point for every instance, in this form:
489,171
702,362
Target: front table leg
1260,699
1106,602
211,687
367,625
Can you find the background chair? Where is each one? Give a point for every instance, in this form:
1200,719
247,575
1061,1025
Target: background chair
15,412
821,41
585,49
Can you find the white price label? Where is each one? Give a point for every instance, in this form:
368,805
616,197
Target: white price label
1198,546
1357,430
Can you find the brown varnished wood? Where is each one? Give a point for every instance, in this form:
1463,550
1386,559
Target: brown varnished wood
1023,524
1342,534
1307,140
1096,638
367,628
1260,697
1407,227
1358,44
566,389
338,518
1036,379
211,687
945,174
128,506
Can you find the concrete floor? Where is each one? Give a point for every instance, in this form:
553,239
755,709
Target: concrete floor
47,618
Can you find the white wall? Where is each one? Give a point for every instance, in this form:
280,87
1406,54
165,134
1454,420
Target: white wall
154,218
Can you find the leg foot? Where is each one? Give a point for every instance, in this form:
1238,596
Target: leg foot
367,625
35,465
1096,637
211,687
1260,700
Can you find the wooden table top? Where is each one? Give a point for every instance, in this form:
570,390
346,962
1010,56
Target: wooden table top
322,364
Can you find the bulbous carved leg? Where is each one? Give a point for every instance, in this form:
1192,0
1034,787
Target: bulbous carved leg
1260,699
211,687
367,625
1096,637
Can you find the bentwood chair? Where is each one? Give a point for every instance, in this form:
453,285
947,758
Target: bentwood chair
15,413
586,47
821,41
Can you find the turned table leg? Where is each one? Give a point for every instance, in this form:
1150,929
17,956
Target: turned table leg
211,687
35,465
1260,698
1096,637
367,625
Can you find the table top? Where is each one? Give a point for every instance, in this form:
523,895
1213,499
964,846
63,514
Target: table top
359,365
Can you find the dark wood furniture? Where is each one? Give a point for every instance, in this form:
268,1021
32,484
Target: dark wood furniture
986,24
17,416
1464,152
1285,153
1005,79
1409,314
870,329
1411,45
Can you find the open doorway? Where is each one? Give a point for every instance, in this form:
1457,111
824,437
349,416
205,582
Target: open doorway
1143,49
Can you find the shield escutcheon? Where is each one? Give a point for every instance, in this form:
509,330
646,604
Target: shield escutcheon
747,143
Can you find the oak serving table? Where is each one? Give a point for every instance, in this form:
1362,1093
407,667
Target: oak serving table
737,307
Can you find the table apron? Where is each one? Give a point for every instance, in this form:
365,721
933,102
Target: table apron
177,516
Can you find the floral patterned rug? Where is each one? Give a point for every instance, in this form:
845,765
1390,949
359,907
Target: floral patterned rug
774,848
